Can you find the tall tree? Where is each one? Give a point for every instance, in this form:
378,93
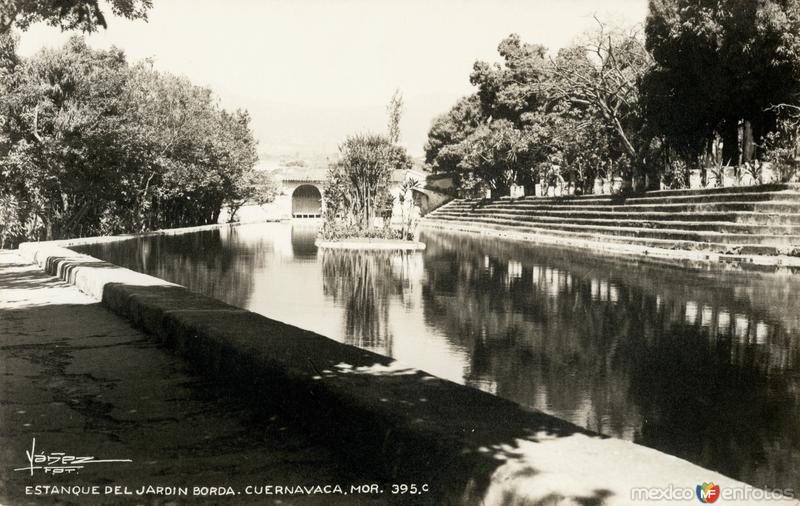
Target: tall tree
358,183
535,119
60,125
721,64
92,145
395,112
600,78
508,142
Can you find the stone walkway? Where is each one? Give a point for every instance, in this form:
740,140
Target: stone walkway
82,381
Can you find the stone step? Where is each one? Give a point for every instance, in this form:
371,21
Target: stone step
727,189
759,218
757,196
737,206
554,236
744,217
704,193
740,196
583,199
638,222
710,237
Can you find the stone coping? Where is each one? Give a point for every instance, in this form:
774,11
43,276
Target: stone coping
397,423
81,241
606,248
371,244
685,192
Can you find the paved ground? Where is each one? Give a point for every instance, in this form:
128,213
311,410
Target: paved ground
82,381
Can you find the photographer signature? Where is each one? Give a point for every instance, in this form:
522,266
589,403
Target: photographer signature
59,462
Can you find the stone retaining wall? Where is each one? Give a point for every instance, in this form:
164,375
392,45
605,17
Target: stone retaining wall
775,262
758,224
399,424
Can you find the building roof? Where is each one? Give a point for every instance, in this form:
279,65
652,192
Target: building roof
315,174
319,174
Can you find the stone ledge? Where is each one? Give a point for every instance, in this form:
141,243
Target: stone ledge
81,241
613,248
400,424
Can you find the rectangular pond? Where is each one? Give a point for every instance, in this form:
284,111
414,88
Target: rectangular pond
698,361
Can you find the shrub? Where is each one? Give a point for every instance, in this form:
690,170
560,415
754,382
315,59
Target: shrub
334,230
12,229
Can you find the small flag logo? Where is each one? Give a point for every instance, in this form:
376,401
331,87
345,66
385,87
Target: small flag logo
707,492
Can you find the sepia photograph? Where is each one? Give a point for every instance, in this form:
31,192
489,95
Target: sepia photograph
399,252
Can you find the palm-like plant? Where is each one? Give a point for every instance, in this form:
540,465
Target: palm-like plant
405,188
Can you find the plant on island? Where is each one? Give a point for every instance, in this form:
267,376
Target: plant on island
358,202
357,189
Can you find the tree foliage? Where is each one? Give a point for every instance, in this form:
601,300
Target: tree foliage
501,154
395,112
537,119
516,90
255,187
84,15
708,83
356,189
93,145
357,186
598,79
721,65
446,146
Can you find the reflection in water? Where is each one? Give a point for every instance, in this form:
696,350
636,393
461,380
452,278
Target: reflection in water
358,281
701,363
303,236
366,284
216,262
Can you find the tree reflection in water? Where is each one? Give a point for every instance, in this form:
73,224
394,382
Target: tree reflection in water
364,283
214,262
700,364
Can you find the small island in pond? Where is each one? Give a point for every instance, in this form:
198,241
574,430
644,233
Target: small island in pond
361,243
362,208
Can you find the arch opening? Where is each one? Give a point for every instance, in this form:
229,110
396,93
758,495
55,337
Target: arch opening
306,202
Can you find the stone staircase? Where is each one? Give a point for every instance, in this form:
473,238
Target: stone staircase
754,220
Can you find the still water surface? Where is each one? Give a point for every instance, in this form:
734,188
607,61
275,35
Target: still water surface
703,364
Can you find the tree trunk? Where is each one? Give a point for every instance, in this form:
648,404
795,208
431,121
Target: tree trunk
730,143
747,142
761,125
652,177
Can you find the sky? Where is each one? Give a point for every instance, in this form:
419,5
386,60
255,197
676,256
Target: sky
311,72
